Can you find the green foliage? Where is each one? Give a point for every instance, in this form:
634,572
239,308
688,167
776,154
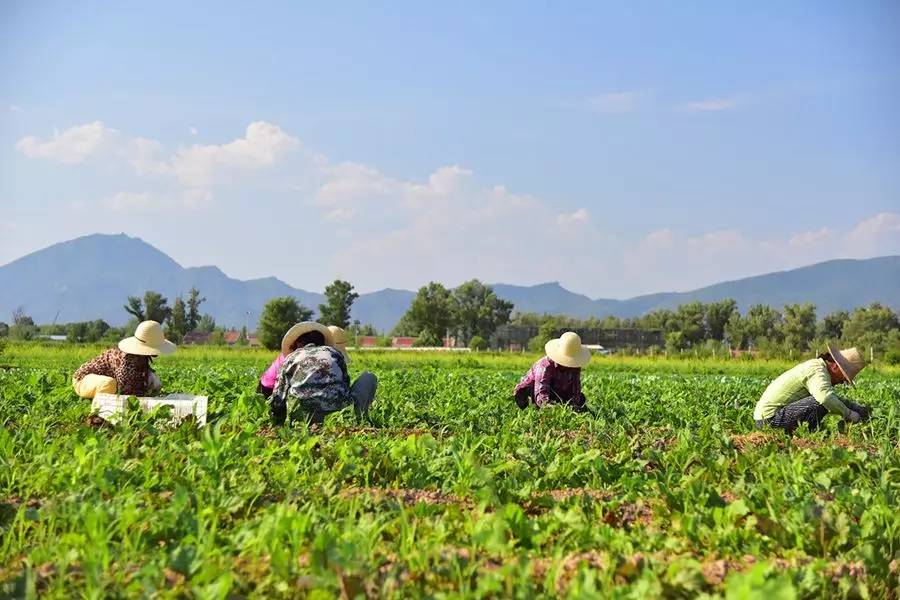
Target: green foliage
178,322
477,310
193,317
153,307
427,339
206,324
832,326
4,329
668,492
478,343
431,310
799,326
243,338
870,327
278,315
339,298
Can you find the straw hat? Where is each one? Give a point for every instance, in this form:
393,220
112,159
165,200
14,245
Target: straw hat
299,329
849,361
339,341
568,351
148,340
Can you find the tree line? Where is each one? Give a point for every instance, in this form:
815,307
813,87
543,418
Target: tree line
472,312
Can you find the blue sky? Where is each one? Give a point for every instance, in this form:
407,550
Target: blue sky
617,148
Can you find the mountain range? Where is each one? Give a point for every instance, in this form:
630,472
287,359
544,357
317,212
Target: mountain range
90,277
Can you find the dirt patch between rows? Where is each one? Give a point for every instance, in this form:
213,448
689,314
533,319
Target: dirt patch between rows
752,440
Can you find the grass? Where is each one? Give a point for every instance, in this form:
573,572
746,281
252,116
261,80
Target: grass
669,491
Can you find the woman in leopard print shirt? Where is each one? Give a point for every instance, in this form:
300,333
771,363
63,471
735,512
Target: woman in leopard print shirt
125,370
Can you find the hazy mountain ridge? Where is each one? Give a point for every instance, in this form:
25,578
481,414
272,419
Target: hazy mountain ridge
90,277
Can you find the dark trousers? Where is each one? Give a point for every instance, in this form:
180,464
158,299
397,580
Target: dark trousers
806,410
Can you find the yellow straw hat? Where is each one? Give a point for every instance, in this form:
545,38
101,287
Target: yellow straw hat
299,329
339,341
568,351
849,361
148,340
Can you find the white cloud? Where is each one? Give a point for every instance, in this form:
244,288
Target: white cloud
614,102
192,130
132,201
72,146
578,217
447,226
709,105
262,145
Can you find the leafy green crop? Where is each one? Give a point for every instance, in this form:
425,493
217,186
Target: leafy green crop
668,491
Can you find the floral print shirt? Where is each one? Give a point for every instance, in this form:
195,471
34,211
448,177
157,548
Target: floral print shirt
131,371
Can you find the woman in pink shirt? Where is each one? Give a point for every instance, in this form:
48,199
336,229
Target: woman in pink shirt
297,336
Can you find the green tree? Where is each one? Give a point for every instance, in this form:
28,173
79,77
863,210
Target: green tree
799,326
154,307
717,316
23,327
339,298
77,332
478,343
869,327
96,330
278,315
546,332
736,332
675,342
832,326
4,329
690,322
206,324
427,339
477,310
430,310
243,338
178,322
763,322
218,337
193,309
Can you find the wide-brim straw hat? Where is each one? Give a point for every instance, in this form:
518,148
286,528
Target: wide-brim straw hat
299,329
849,361
339,341
148,340
567,351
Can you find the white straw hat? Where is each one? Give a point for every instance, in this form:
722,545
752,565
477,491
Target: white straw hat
339,341
299,329
849,361
148,340
568,351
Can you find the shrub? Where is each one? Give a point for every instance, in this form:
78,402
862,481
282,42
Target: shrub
478,343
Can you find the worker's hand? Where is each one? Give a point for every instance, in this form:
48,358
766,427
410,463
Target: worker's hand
153,384
854,417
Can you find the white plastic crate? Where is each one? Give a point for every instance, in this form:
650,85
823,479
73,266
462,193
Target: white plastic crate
108,406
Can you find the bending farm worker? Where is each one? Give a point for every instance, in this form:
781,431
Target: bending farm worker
313,381
127,369
556,378
337,339
805,394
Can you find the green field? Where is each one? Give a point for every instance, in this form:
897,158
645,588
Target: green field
667,492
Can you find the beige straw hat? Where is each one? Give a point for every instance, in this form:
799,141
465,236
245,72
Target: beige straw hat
339,341
568,351
148,340
299,329
850,361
